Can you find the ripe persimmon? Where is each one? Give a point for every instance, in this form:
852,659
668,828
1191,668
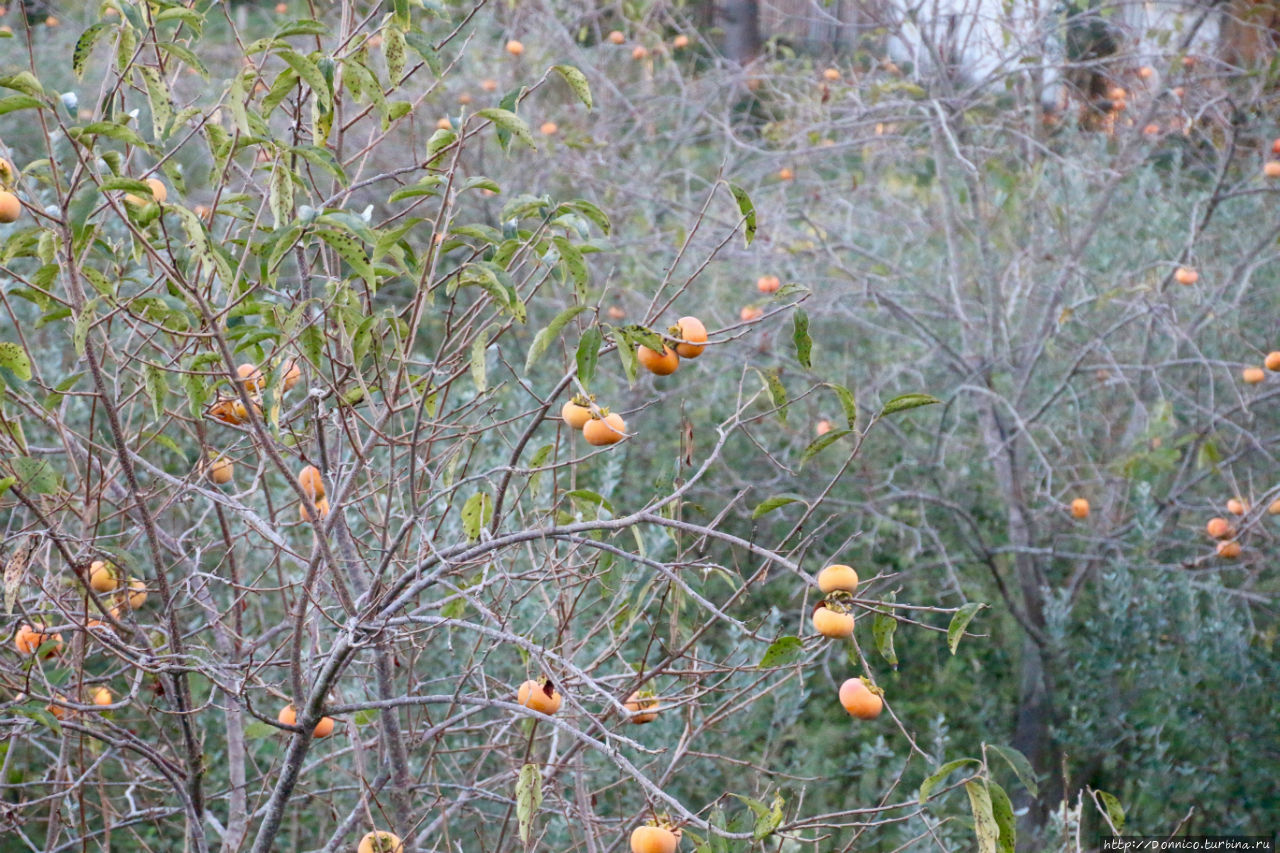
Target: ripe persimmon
515,48
1274,509
380,841
1146,72
605,431
1272,361
289,717
750,313
443,123
281,8
292,373
786,174
1219,528
322,507
539,696
639,52
489,85
10,207
136,594
768,284
101,696
643,706
225,411
1229,549
220,470
831,74
1080,508
682,40
692,334
832,623
1253,375
822,427
311,481
861,699
837,578
1186,276
575,412
1237,506
653,839
660,364
1271,169
28,641
103,577
548,128
616,37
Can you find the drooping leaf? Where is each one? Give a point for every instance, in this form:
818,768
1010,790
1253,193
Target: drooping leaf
14,103
960,621
1021,766
748,211
509,122
577,82
1002,812
777,391
528,798
550,334
821,443
280,199
588,355
479,348
157,388
476,513
883,628
15,568
14,357
767,506
800,335
847,403
84,46
1115,811
984,823
37,476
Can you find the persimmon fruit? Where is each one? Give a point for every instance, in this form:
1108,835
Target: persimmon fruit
515,48
837,578
860,699
10,207
653,839
1272,361
289,717
768,284
1237,506
1186,276
539,696
311,481
601,432
103,577
1219,528
1253,375
643,707
831,623
692,334
380,841
1229,549
220,470
616,37
28,641
575,414
1080,508
322,507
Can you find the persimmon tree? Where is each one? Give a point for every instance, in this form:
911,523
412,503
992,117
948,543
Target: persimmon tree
285,471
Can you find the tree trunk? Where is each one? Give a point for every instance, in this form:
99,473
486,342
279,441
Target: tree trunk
741,21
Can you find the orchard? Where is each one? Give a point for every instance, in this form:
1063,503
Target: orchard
517,426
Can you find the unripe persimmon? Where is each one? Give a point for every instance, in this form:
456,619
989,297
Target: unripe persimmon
289,717
1080,508
1219,528
660,364
860,700
539,696
103,577
575,415
10,207
380,841
653,839
311,481
690,329
832,623
605,431
643,706
837,578
1186,276
1253,375
28,641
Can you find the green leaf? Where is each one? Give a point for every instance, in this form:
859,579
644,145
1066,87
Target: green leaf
800,334
478,367
927,786
777,391
748,211
768,506
184,54
883,628
572,258
767,822
821,443
1002,812
84,47
577,82
509,122
545,337
14,357
394,50
847,403
158,97
907,401
1115,811
961,621
24,82
590,497
281,194
476,513
1021,766
36,475
588,355
258,730
781,652
157,387
311,74
352,252
528,798
19,102
111,130
984,823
